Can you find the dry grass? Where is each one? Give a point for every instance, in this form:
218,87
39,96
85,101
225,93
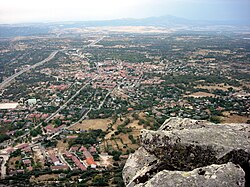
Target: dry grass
12,161
121,141
234,118
92,124
38,157
217,87
62,147
131,29
45,177
201,94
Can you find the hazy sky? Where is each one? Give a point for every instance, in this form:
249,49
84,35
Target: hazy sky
16,11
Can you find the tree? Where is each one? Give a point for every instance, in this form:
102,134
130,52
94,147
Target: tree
116,155
36,131
215,119
3,137
99,181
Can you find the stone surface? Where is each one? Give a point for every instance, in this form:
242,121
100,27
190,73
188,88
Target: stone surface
184,145
211,176
139,161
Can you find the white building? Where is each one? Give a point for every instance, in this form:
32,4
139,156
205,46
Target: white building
32,101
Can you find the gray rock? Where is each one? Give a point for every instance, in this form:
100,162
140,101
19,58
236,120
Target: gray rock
138,162
201,145
224,175
184,145
182,123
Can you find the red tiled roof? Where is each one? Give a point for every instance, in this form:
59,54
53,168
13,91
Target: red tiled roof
87,154
22,146
53,157
78,163
68,154
27,161
63,167
83,148
74,148
49,128
27,149
10,150
90,161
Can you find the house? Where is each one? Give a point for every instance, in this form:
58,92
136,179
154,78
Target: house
31,102
74,148
82,149
62,167
27,162
86,154
71,137
22,146
68,154
78,163
90,161
54,159
27,150
30,168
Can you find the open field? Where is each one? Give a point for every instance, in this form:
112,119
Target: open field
12,161
120,29
217,87
42,178
121,141
92,124
201,94
62,147
38,157
233,118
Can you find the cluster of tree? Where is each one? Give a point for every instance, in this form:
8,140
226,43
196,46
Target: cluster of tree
36,131
122,127
3,137
116,154
89,138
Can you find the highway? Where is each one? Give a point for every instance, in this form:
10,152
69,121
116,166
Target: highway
12,77
50,57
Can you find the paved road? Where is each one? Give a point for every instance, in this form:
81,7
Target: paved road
3,167
11,141
12,77
50,57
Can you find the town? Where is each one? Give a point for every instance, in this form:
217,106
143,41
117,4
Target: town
73,106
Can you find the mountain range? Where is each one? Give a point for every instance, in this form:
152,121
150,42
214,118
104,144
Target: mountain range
8,30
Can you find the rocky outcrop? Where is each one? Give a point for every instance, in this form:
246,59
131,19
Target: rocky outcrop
214,175
185,145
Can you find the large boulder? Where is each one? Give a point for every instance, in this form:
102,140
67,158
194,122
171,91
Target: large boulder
211,176
139,161
185,144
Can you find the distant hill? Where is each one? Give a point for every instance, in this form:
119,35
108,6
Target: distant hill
10,30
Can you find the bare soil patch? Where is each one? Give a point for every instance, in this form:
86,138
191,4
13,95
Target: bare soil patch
234,118
12,161
46,177
61,146
201,94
